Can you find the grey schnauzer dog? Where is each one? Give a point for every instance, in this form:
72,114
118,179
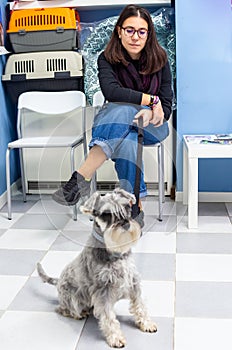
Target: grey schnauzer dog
104,272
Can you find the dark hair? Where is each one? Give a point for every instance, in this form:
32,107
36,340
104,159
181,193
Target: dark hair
154,57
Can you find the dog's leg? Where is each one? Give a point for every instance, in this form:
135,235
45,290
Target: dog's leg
108,323
71,302
72,313
139,311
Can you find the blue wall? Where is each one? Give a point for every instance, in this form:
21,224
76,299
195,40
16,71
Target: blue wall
7,123
204,82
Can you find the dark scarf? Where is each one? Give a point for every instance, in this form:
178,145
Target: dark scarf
129,77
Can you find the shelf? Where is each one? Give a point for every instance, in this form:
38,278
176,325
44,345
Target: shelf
83,4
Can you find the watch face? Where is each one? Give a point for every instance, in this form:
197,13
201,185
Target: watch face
151,99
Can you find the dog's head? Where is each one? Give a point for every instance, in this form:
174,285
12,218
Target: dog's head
112,217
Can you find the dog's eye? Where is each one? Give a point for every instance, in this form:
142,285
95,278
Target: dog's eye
95,212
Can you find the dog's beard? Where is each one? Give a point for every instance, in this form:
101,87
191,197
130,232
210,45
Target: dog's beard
120,240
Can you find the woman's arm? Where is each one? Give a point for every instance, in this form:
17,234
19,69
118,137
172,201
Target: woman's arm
163,109
113,91
165,92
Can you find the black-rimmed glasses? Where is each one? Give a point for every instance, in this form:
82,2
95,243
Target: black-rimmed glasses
130,31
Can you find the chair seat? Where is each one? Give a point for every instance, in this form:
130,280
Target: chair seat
46,141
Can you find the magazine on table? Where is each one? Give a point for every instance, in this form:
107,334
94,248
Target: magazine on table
223,139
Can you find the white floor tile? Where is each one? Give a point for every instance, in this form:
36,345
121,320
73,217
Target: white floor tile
38,331
159,242
204,267
83,223
28,239
55,261
49,206
202,334
46,330
151,207
10,286
218,224
5,223
158,298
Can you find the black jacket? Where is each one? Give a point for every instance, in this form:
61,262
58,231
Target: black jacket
113,90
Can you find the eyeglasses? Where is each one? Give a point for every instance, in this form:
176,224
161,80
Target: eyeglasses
130,31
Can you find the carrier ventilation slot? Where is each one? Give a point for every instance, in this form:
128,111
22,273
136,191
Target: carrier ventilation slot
56,64
39,20
24,66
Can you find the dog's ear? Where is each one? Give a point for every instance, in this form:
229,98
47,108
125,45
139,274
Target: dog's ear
124,197
91,204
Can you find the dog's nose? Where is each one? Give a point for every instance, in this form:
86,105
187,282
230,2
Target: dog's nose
126,226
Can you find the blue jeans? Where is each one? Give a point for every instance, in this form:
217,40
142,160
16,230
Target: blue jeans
114,131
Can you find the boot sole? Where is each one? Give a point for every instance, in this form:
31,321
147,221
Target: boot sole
67,204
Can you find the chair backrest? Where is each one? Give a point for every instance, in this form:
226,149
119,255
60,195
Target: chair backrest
50,103
98,99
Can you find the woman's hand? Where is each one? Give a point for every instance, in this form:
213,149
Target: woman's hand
146,114
157,115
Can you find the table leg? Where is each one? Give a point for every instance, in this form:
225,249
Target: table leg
193,193
185,175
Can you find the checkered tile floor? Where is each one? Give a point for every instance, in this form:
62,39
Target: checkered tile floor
186,278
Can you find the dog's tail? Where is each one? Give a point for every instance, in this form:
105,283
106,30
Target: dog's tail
45,278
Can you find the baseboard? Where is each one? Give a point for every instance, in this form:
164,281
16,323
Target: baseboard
14,188
209,196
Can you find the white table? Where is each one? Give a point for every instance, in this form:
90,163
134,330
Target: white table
193,149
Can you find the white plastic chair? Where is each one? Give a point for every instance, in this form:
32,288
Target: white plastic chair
50,104
98,100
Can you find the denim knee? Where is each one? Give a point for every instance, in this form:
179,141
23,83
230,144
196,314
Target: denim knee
111,125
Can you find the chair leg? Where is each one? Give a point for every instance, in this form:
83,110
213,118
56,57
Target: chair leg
8,183
94,183
72,170
75,212
160,182
162,162
22,174
85,148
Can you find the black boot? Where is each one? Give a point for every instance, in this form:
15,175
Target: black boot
73,190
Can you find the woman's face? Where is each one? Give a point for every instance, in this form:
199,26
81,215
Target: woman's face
133,35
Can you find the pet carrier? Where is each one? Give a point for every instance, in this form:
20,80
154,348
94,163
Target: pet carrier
43,71
48,29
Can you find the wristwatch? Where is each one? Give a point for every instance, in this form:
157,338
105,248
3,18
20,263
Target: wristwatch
154,100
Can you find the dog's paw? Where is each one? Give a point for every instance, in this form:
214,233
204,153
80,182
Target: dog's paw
67,313
85,313
148,326
116,342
